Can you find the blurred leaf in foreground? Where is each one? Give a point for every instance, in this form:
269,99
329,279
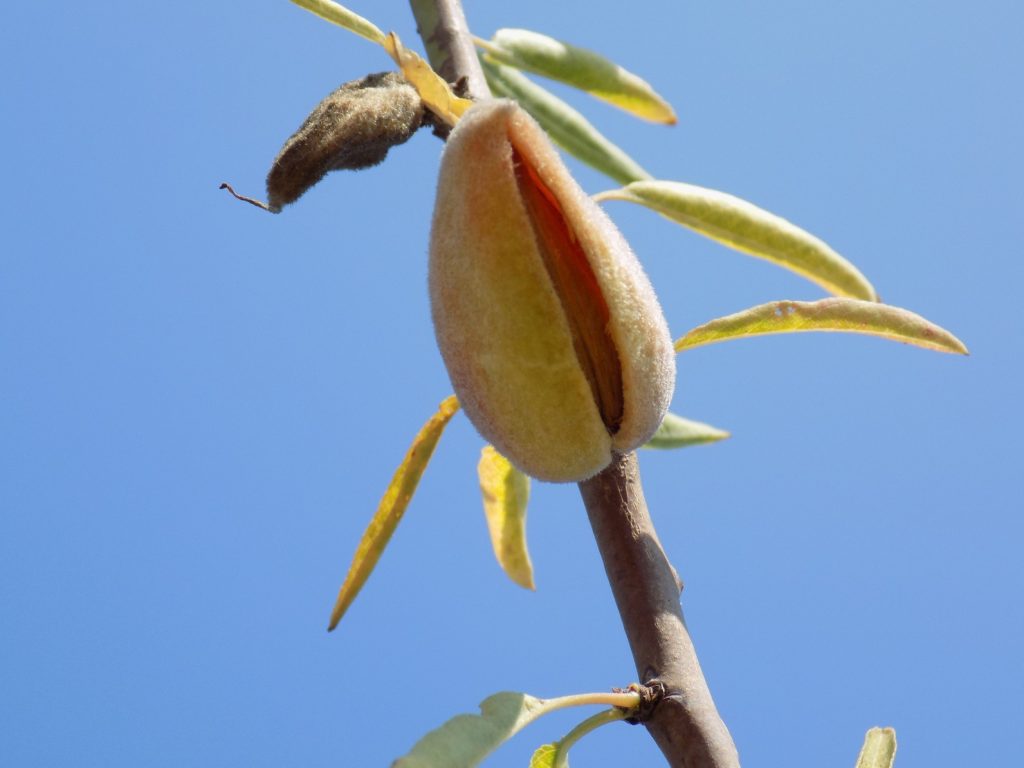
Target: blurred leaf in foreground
567,128
581,69
392,507
834,314
677,432
506,492
879,750
745,227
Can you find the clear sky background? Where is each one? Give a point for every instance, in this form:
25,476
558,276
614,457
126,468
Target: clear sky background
201,404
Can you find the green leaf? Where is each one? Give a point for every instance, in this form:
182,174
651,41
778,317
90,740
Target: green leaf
544,756
465,740
579,68
506,492
392,507
879,750
677,432
745,227
826,315
566,127
343,17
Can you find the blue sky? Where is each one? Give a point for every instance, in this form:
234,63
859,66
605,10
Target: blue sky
200,404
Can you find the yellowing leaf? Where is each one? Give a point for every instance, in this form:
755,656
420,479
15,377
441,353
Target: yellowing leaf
579,68
566,127
745,227
506,492
834,314
879,750
392,507
677,432
544,756
343,17
434,91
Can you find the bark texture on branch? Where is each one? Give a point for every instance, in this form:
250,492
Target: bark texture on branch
450,49
685,723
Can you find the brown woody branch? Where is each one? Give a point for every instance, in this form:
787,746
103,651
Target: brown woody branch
683,721
445,34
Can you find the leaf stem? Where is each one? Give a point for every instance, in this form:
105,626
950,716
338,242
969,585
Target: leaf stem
627,700
486,45
590,724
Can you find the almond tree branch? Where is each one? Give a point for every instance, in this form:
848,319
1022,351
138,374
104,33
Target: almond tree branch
684,721
445,34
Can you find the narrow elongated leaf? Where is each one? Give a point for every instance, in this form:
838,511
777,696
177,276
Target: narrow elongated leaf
506,492
465,740
745,227
581,69
435,92
677,432
879,750
833,314
343,17
567,128
392,507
